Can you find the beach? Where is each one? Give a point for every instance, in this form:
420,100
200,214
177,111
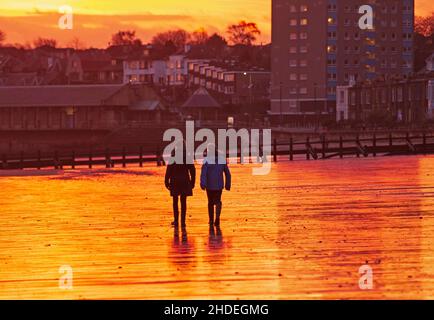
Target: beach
300,232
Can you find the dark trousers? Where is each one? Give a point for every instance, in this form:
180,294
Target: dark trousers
214,199
176,208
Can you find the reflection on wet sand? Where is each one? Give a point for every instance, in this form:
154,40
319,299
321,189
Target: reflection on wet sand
215,239
182,250
302,231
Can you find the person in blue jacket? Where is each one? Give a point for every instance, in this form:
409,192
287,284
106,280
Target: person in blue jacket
211,180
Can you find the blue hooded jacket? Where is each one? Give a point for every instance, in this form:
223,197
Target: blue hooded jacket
211,177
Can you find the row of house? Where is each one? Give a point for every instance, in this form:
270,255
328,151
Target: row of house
136,65
407,99
229,84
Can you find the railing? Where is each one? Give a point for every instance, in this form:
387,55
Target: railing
308,149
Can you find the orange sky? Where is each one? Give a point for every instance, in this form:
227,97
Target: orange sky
96,20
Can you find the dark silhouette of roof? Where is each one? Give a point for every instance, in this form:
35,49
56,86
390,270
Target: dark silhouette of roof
201,99
59,96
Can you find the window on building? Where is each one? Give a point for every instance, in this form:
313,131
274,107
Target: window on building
303,35
331,7
331,76
353,98
399,94
331,21
293,22
293,36
303,22
303,90
293,8
303,49
303,8
293,63
331,90
331,49
293,76
331,35
341,96
303,76
229,77
303,63
293,50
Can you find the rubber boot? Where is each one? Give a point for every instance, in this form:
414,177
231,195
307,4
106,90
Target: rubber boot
211,214
218,211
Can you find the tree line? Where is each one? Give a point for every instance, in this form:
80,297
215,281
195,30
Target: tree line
242,33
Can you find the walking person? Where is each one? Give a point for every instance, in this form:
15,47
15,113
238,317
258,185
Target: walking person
180,180
211,180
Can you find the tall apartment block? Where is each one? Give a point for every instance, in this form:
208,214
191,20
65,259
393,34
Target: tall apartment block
318,44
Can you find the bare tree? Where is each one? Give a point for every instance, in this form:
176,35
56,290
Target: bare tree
176,37
243,33
425,25
76,44
45,42
199,37
126,37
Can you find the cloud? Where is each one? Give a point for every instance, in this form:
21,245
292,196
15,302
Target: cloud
96,29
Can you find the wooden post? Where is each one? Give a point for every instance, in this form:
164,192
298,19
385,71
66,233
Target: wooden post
4,162
323,138
73,159
56,160
374,145
275,150
107,158
39,160
21,160
291,149
90,158
357,146
307,148
157,153
141,156
124,163
424,142
341,147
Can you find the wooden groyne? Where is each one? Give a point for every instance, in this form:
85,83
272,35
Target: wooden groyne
308,149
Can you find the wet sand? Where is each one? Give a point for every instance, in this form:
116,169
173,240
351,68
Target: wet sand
302,231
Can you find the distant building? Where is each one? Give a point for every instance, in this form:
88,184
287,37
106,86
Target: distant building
201,106
87,107
230,85
405,99
318,45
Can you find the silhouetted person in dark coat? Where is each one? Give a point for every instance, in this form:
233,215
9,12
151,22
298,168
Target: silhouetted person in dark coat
180,180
